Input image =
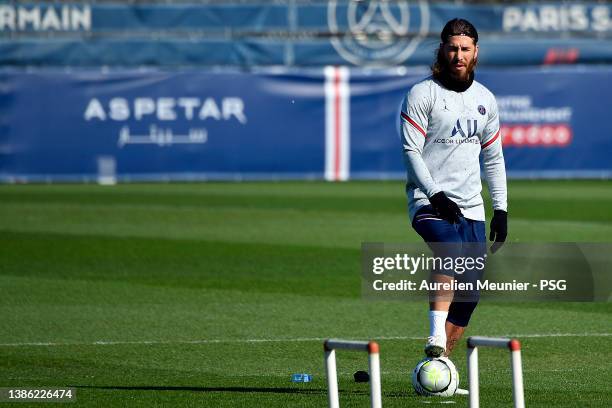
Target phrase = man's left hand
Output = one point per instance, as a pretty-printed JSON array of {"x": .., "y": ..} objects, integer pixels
[{"x": 499, "y": 229}]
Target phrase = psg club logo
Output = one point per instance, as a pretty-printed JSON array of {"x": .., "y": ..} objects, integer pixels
[
  {"x": 377, "y": 32},
  {"x": 481, "y": 110}
]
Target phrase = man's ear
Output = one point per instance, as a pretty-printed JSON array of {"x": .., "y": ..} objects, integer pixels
[{"x": 476, "y": 53}]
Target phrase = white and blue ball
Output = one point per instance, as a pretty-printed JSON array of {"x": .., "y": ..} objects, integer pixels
[{"x": 435, "y": 377}]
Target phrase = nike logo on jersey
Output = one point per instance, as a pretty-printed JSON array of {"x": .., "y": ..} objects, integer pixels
[{"x": 445, "y": 107}]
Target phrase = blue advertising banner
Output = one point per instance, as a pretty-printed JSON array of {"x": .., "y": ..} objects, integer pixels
[
  {"x": 60, "y": 125},
  {"x": 552, "y": 122},
  {"x": 320, "y": 33},
  {"x": 334, "y": 123}
]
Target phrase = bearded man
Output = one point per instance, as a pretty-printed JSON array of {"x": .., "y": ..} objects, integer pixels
[{"x": 449, "y": 121}]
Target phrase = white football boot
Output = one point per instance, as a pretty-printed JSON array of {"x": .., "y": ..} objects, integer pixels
[{"x": 435, "y": 346}]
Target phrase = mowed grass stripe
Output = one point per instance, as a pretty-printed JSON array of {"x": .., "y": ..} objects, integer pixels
[
  {"x": 315, "y": 196},
  {"x": 542, "y": 200},
  {"x": 74, "y": 309},
  {"x": 341, "y": 230},
  {"x": 346, "y": 230},
  {"x": 184, "y": 263}
]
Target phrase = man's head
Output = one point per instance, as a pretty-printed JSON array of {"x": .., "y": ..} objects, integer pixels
[{"x": 458, "y": 53}]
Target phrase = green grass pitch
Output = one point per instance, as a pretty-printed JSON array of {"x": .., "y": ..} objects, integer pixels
[{"x": 213, "y": 294}]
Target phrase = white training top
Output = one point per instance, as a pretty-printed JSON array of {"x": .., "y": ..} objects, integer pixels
[{"x": 443, "y": 133}]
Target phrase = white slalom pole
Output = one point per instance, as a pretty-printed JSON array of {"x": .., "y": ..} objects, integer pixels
[
  {"x": 375, "y": 383},
  {"x": 517, "y": 376},
  {"x": 373, "y": 350},
  {"x": 518, "y": 392},
  {"x": 332, "y": 379},
  {"x": 472, "y": 365}
]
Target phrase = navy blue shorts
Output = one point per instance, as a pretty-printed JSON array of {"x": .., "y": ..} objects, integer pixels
[
  {"x": 467, "y": 239},
  {"x": 434, "y": 229}
]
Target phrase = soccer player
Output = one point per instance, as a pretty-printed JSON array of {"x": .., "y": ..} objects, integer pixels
[{"x": 448, "y": 121}]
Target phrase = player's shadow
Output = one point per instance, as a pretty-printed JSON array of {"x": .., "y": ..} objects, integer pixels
[{"x": 273, "y": 390}]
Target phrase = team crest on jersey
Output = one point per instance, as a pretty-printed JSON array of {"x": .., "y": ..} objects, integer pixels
[{"x": 481, "y": 110}]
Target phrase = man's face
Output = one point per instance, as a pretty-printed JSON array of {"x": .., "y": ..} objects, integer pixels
[{"x": 460, "y": 53}]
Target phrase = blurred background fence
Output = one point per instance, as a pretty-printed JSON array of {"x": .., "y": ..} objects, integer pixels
[{"x": 196, "y": 90}]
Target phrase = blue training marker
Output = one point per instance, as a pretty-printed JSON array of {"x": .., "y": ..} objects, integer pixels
[{"x": 301, "y": 378}]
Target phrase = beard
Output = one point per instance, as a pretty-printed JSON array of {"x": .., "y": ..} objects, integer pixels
[{"x": 469, "y": 69}]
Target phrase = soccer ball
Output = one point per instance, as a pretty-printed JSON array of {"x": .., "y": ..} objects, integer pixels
[{"x": 435, "y": 377}]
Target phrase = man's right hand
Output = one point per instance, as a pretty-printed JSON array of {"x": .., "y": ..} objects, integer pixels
[{"x": 446, "y": 208}]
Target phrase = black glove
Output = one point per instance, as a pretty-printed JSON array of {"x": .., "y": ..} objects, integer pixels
[
  {"x": 446, "y": 208},
  {"x": 499, "y": 229}
]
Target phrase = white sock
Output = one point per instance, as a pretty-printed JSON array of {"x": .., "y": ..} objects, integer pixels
[{"x": 437, "y": 323}]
